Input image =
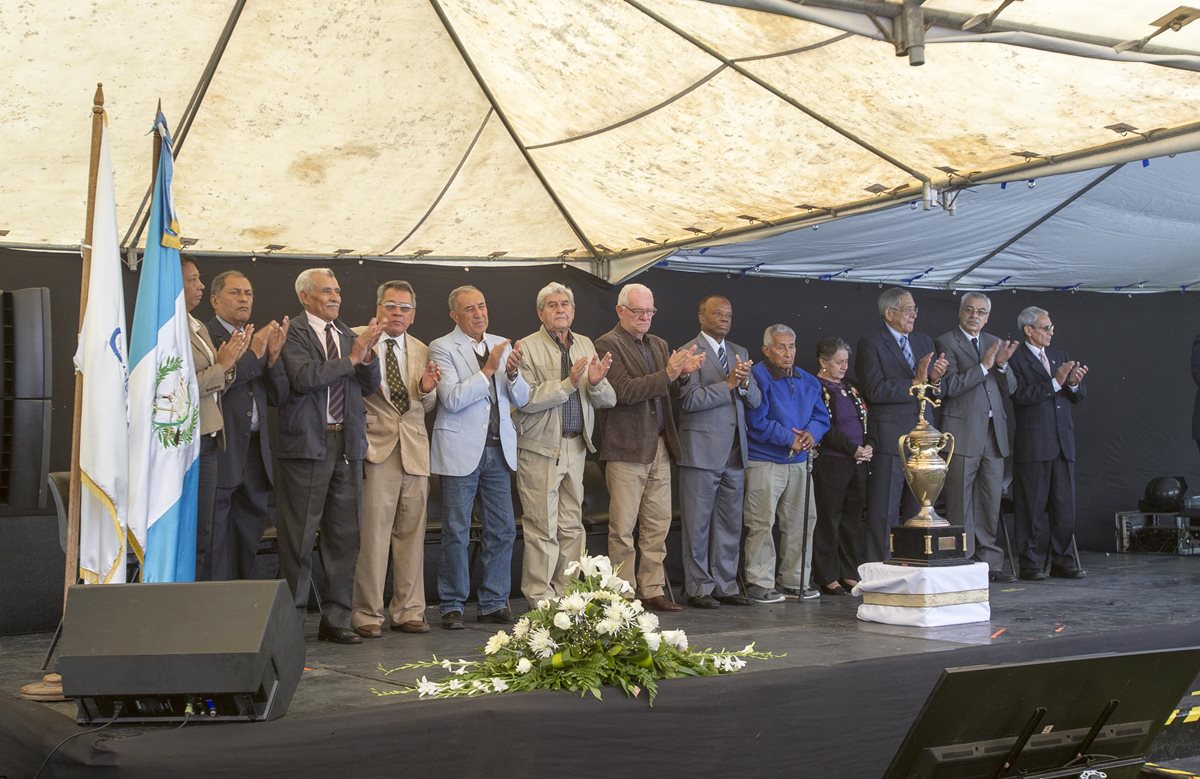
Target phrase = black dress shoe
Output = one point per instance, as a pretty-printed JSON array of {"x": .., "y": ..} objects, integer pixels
[
  {"x": 501, "y": 616},
  {"x": 836, "y": 589},
  {"x": 1060, "y": 572},
  {"x": 1001, "y": 576},
  {"x": 734, "y": 600},
  {"x": 1031, "y": 575},
  {"x": 703, "y": 602},
  {"x": 453, "y": 620},
  {"x": 337, "y": 635}
]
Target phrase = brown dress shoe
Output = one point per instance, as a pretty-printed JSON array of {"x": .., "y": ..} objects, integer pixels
[
  {"x": 369, "y": 631},
  {"x": 412, "y": 626},
  {"x": 660, "y": 603}
]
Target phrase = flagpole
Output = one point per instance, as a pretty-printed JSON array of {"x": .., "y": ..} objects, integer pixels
[{"x": 71, "y": 574}]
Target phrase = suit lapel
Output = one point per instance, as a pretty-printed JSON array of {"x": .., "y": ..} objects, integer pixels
[
  {"x": 710, "y": 357},
  {"x": 893, "y": 347}
]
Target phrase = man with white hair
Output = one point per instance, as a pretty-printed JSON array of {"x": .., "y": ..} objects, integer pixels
[
  {"x": 322, "y": 441},
  {"x": 554, "y": 433},
  {"x": 638, "y": 441}
]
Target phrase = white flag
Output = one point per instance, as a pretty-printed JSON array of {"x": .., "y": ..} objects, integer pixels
[{"x": 101, "y": 358}]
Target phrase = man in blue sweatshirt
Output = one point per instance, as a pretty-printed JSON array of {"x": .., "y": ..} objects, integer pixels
[{"x": 781, "y": 432}]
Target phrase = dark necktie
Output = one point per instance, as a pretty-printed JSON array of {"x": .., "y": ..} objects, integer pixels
[
  {"x": 975, "y": 343},
  {"x": 337, "y": 392},
  {"x": 723, "y": 360},
  {"x": 253, "y": 402},
  {"x": 396, "y": 388},
  {"x": 1045, "y": 362},
  {"x": 908, "y": 355}
]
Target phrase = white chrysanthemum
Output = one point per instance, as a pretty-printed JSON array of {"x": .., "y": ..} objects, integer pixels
[
  {"x": 562, "y": 621},
  {"x": 543, "y": 604},
  {"x": 606, "y": 626},
  {"x": 574, "y": 603},
  {"x": 426, "y": 687},
  {"x": 541, "y": 643},
  {"x": 676, "y": 638},
  {"x": 647, "y": 622},
  {"x": 499, "y": 685},
  {"x": 618, "y": 612},
  {"x": 653, "y": 641},
  {"x": 496, "y": 643},
  {"x": 521, "y": 629},
  {"x": 636, "y": 606},
  {"x": 524, "y": 666}
]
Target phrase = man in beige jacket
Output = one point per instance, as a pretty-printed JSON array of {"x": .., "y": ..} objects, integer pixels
[
  {"x": 396, "y": 473},
  {"x": 554, "y": 433}
]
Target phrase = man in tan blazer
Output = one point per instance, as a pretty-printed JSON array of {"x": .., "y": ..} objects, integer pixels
[
  {"x": 396, "y": 474},
  {"x": 215, "y": 371}
]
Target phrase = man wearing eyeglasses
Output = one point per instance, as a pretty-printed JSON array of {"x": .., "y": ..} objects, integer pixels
[
  {"x": 973, "y": 390},
  {"x": 396, "y": 472},
  {"x": 889, "y": 363},
  {"x": 1048, "y": 384},
  {"x": 638, "y": 441}
]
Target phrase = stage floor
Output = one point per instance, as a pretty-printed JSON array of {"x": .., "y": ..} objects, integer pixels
[{"x": 1122, "y": 595}]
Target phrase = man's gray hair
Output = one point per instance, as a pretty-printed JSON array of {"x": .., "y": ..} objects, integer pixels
[
  {"x": 305, "y": 283},
  {"x": 399, "y": 284},
  {"x": 890, "y": 298},
  {"x": 218, "y": 282},
  {"x": 774, "y": 330},
  {"x": 554, "y": 288},
  {"x": 974, "y": 296},
  {"x": 1029, "y": 317},
  {"x": 623, "y": 295},
  {"x": 454, "y": 293}
]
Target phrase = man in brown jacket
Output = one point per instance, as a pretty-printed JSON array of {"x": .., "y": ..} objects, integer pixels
[
  {"x": 396, "y": 473},
  {"x": 638, "y": 439}
]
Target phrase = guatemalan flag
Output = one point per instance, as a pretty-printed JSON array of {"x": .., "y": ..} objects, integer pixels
[
  {"x": 104, "y": 420},
  {"x": 164, "y": 403}
]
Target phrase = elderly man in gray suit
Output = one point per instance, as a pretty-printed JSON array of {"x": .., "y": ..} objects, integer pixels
[
  {"x": 976, "y": 382},
  {"x": 712, "y": 460}
]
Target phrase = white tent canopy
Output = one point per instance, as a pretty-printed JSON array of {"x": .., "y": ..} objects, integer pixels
[{"x": 603, "y": 132}]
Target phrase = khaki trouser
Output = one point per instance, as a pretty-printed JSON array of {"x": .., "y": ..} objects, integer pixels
[
  {"x": 551, "y": 491},
  {"x": 786, "y": 490},
  {"x": 393, "y": 507},
  {"x": 640, "y": 495}
]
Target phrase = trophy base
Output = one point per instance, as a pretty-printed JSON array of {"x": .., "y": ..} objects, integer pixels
[{"x": 928, "y": 546}]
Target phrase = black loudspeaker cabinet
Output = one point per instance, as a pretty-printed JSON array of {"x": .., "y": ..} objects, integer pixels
[
  {"x": 226, "y": 651},
  {"x": 25, "y": 397}
]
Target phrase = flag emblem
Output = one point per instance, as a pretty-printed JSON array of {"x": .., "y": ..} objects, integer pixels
[{"x": 176, "y": 416}]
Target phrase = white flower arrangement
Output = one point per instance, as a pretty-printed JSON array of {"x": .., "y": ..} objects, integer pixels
[{"x": 594, "y": 635}]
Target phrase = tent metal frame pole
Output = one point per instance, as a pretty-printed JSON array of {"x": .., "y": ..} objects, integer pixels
[
  {"x": 142, "y": 216},
  {"x": 512, "y": 132},
  {"x": 1033, "y": 226}
]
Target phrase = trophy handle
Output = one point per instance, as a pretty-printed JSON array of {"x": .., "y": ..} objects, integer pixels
[
  {"x": 902, "y": 440},
  {"x": 942, "y": 444}
]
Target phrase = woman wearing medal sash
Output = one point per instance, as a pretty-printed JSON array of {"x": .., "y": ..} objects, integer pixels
[{"x": 839, "y": 473}]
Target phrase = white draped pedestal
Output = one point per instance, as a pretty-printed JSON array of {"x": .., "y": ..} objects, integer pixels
[{"x": 923, "y": 597}]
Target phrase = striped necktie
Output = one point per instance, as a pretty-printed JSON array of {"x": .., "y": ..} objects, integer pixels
[
  {"x": 721, "y": 358},
  {"x": 337, "y": 390},
  {"x": 908, "y": 355}
]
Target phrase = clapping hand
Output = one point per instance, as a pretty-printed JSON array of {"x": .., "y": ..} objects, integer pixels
[{"x": 598, "y": 368}]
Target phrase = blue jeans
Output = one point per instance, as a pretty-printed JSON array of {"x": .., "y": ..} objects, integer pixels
[{"x": 491, "y": 480}]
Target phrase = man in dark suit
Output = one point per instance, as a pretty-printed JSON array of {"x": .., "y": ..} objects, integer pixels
[
  {"x": 637, "y": 443},
  {"x": 973, "y": 390},
  {"x": 322, "y": 441},
  {"x": 889, "y": 363},
  {"x": 1196, "y": 378},
  {"x": 712, "y": 459},
  {"x": 244, "y": 471},
  {"x": 1048, "y": 384}
]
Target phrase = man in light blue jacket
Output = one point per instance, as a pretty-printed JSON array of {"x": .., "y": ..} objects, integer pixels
[{"x": 474, "y": 449}]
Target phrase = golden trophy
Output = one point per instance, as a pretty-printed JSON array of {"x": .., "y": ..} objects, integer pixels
[{"x": 926, "y": 538}]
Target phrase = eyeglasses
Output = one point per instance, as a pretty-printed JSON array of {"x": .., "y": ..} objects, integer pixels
[
  {"x": 968, "y": 310},
  {"x": 403, "y": 308},
  {"x": 1044, "y": 328},
  {"x": 641, "y": 312},
  {"x": 905, "y": 309}
]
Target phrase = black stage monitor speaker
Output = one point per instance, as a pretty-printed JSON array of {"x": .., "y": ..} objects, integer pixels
[{"x": 231, "y": 651}]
